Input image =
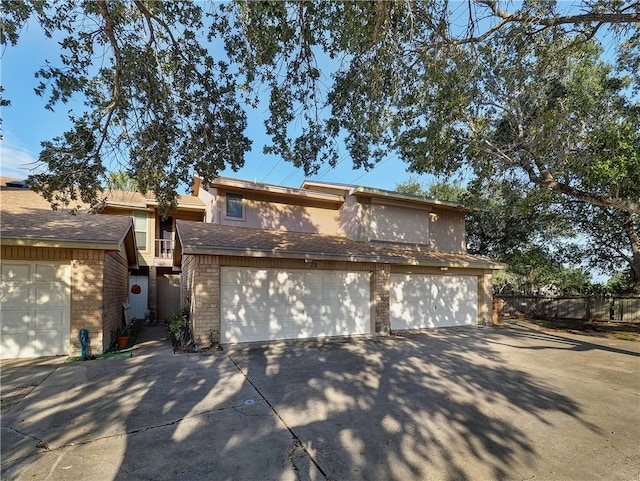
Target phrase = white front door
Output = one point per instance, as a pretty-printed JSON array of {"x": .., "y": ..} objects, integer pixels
[
  {"x": 420, "y": 301},
  {"x": 36, "y": 299},
  {"x": 138, "y": 301},
  {"x": 269, "y": 304}
]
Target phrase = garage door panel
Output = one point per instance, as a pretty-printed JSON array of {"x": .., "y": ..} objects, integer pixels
[
  {"x": 18, "y": 344},
  {"x": 269, "y": 304},
  {"x": 15, "y": 320},
  {"x": 428, "y": 301},
  {"x": 48, "y": 343},
  {"x": 15, "y": 272},
  {"x": 52, "y": 294},
  {"x": 51, "y": 272},
  {"x": 49, "y": 320},
  {"x": 15, "y": 293},
  {"x": 35, "y": 309}
]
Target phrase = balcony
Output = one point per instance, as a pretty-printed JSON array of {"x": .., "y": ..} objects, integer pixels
[{"x": 164, "y": 252}]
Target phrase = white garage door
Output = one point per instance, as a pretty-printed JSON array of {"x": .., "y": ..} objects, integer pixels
[
  {"x": 422, "y": 301},
  {"x": 269, "y": 304},
  {"x": 35, "y": 300}
]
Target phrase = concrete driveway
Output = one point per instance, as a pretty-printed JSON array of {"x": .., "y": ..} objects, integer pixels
[{"x": 509, "y": 403}]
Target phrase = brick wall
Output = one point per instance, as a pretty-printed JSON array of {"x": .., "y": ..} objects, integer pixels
[
  {"x": 87, "y": 298},
  {"x": 115, "y": 292},
  {"x": 205, "y": 301},
  {"x": 99, "y": 286},
  {"x": 380, "y": 287},
  {"x": 200, "y": 289},
  {"x": 485, "y": 298}
]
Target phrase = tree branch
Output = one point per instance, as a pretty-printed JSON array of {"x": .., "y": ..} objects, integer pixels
[
  {"x": 634, "y": 241},
  {"x": 115, "y": 97},
  {"x": 547, "y": 180},
  {"x": 589, "y": 17},
  {"x": 586, "y": 18}
]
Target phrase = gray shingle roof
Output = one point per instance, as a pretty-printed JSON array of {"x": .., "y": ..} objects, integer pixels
[
  {"x": 25, "y": 215},
  {"x": 214, "y": 239}
]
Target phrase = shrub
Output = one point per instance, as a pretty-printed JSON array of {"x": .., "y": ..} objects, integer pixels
[{"x": 175, "y": 323}]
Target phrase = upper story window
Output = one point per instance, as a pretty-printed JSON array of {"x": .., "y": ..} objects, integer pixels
[
  {"x": 140, "y": 227},
  {"x": 234, "y": 206}
]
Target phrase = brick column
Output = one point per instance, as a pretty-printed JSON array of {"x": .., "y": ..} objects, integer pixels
[
  {"x": 381, "y": 312},
  {"x": 205, "y": 301},
  {"x": 87, "y": 300},
  {"x": 152, "y": 302},
  {"x": 485, "y": 298}
]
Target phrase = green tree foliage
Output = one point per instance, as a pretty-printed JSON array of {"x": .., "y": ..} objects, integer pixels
[
  {"x": 619, "y": 283},
  {"x": 504, "y": 92},
  {"x": 498, "y": 90},
  {"x": 521, "y": 98},
  {"x": 160, "y": 103},
  {"x": 612, "y": 236},
  {"x": 506, "y": 216},
  {"x": 518, "y": 227},
  {"x": 122, "y": 181}
]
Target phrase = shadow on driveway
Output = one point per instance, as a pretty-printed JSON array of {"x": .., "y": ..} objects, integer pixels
[
  {"x": 444, "y": 405},
  {"x": 452, "y": 404}
]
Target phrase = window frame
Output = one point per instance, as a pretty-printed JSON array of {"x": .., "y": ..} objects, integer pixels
[
  {"x": 229, "y": 213},
  {"x": 139, "y": 216}
]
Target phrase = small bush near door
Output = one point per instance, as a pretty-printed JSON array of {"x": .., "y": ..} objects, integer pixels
[{"x": 179, "y": 332}]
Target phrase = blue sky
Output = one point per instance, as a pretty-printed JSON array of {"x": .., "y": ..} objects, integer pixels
[{"x": 26, "y": 124}]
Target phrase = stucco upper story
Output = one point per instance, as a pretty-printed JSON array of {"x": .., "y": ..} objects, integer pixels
[{"x": 358, "y": 213}]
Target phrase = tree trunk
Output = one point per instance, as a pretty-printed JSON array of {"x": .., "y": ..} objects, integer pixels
[{"x": 634, "y": 240}]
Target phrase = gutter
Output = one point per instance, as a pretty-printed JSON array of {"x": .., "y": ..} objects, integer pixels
[{"x": 289, "y": 254}]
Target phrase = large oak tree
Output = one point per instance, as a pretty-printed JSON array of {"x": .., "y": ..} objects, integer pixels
[{"x": 538, "y": 92}]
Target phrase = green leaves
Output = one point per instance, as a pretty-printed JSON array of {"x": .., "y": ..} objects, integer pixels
[
  {"x": 157, "y": 101},
  {"x": 74, "y": 170},
  {"x": 524, "y": 93},
  {"x": 615, "y": 159}
]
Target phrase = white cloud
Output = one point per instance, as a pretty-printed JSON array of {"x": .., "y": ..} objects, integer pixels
[{"x": 15, "y": 161}]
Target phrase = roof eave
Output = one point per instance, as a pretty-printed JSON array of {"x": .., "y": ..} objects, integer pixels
[
  {"x": 125, "y": 204},
  {"x": 126, "y": 243},
  {"x": 289, "y": 254},
  {"x": 371, "y": 192},
  {"x": 59, "y": 243},
  {"x": 228, "y": 183}
]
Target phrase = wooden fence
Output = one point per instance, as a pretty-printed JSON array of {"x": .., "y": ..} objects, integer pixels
[{"x": 619, "y": 308}]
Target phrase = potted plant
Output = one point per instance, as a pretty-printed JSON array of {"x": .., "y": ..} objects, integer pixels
[{"x": 122, "y": 334}]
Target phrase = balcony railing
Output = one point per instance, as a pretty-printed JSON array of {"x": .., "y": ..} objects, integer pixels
[{"x": 164, "y": 248}]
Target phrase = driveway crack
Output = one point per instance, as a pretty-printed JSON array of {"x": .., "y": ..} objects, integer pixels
[
  {"x": 297, "y": 442},
  {"x": 44, "y": 447}
]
